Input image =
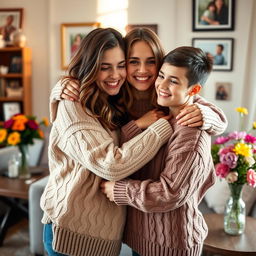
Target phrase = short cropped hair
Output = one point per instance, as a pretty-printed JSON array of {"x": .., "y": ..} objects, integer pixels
[{"x": 195, "y": 60}]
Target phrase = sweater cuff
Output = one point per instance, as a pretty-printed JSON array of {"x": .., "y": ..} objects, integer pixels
[
  {"x": 163, "y": 128},
  {"x": 56, "y": 92},
  {"x": 130, "y": 130},
  {"x": 120, "y": 197},
  {"x": 206, "y": 116}
]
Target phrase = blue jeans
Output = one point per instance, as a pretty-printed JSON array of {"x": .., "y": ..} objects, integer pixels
[
  {"x": 48, "y": 237},
  {"x": 135, "y": 253}
]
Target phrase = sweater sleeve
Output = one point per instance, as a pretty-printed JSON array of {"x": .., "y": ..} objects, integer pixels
[
  {"x": 54, "y": 100},
  {"x": 129, "y": 131},
  {"x": 84, "y": 140},
  {"x": 214, "y": 119},
  {"x": 183, "y": 176}
]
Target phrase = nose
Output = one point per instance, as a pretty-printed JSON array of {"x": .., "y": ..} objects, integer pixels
[
  {"x": 163, "y": 84},
  {"x": 114, "y": 74},
  {"x": 142, "y": 68}
]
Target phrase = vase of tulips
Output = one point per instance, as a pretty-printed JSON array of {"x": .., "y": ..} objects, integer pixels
[{"x": 234, "y": 157}]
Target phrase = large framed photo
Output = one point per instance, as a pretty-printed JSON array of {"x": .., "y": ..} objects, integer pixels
[
  {"x": 71, "y": 37},
  {"x": 219, "y": 49},
  {"x": 10, "y": 21},
  {"x": 213, "y": 15}
]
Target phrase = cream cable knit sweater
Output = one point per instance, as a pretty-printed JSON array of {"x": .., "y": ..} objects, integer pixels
[{"x": 81, "y": 153}]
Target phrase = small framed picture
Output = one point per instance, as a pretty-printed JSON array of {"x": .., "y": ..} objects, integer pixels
[
  {"x": 10, "y": 21},
  {"x": 71, "y": 37},
  {"x": 15, "y": 65},
  {"x": 223, "y": 91},
  {"x": 212, "y": 15},
  {"x": 10, "y": 109},
  {"x": 219, "y": 49},
  {"x": 14, "y": 88},
  {"x": 153, "y": 27}
]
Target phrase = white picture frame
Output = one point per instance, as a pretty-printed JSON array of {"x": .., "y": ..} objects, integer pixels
[{"x": 10, "y": 109}]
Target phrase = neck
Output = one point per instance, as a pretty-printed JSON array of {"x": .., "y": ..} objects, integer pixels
[
  {"x": 140, "y": 95},
  {"x": 176, "y": 110}
]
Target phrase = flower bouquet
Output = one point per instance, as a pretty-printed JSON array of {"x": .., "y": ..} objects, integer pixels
[
  {"x": 20, "y": 130},
  {"x": 234, "y": 158}
]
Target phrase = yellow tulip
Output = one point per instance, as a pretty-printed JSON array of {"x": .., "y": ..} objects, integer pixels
[
  {"x": 254, "y": 125},
  {"x": 3, "y": 134},
  {"x": 242, "y": 149},
  {"x": 242, "y": 110},
  {"x": 13, "y": 138}
]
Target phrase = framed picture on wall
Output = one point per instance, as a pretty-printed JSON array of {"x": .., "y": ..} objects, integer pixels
[
  {"x": 71, "y": 37},
  {"x": 10, "y": 21},
  {"x": 153, "y": 27},
  {"x": 213, "y": 15},
  {"x": 219, "y": 49},
  {"x": 223, "y": 91}
]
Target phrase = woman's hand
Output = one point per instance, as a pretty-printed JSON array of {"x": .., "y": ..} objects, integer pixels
[
  {"x": 149, "y": 118},
  {"x": 70, "y": 90},
  {"x": 107, "y": 187},
  {"x": 190, "y": 116}
]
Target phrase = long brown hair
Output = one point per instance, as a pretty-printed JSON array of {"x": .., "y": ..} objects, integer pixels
[
  {"x": 84, "y": 67},
  {"x": 149, "y": 36}
]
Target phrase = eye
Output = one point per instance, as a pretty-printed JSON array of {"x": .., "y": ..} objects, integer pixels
[
  {"x": 133, "y": 62},
  {"x": 121, "y": 66},
  {"x": 172, "y": 81},
  {"x": 160, "y": 76},
  {"x": 104, "y": 68},
  {"x": 151, "y": 62}
]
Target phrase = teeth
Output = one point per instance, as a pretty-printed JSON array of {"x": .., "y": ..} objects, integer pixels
[
  {"x": 112, "y": 83},
  {"x": 161, "y": 93},
  {"x": 142, "y": 78}
]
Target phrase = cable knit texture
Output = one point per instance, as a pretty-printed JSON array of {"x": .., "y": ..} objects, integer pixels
[
  {"x": 81, "y": 154},
  {"x": 169, "y": 188}
]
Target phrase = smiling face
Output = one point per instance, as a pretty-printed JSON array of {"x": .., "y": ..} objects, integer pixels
[
  {"x": 141, "y": 66},
  {"x": 112, "y": 72},
  {"x": 172, "y": 87}
]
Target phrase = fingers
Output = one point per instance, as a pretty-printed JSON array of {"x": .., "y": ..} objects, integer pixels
[
  {"x": 69, "y": 95},
  {"x": 196, "y": 124},
  {"x": 187, "y": 110}
]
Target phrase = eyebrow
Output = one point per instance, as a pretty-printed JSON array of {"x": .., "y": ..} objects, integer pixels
[
  {"x": 136, "y": 58},
  {"x": 109, "y": 64},
  {"x": 162, "y": 73}
]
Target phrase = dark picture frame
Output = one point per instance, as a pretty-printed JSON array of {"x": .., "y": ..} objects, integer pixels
[
  {"x": 70, "y": 32},
  {"x": 220, "y": 49},
  {"x": 13, "y": 16},
  {"x": 153, "y": 27},
  {"x": 206, "y": 17},
  {"x": 223, "y": 91}
]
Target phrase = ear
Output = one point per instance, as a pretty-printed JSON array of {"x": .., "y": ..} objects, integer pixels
[{"x": 194, "y": 89}]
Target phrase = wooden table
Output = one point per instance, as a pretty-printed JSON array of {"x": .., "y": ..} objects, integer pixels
[
  {"x": 221, "y": 243},
  {"x": 14, "y": 193}
]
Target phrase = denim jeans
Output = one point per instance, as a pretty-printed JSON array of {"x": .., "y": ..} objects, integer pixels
[
  {"x": 135, "y": 253},
  {"x": 48, "y": 237}
]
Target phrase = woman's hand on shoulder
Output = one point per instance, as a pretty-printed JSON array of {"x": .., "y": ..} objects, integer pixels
[
  {"x": 70, "y": 90},
  {"x": 190, "y": 116},
  {"x": 149, "y": 118}
]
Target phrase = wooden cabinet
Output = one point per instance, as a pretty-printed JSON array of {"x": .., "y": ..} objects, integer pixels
[{"x": 15, "y": 83}]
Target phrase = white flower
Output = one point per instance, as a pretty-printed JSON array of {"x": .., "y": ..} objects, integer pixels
[
  {"x": 250, "y": 160},
  {"x": 232, "y": 177}
]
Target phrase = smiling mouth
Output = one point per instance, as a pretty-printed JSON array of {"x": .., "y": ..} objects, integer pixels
[
  {"x": 112, "y": 84},
  {"x": 142, "y": 78},
  {"x": 164, "y": 94}
]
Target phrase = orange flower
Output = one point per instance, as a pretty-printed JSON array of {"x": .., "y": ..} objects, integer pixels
[
  {"x": 19, "y": 125},
  {"x": 20, "y": 117},
  {"x": 13, "y": 138},
  {"x": 45, "y": 121},
  {"x": 41, "y": 133},
  {"x": 3, "y": 134}
]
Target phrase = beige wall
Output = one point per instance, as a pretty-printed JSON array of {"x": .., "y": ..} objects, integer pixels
[{"x": 42, "y": 19}]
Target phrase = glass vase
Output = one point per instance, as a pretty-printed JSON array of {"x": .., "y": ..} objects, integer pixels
[
  {"x": 24, "y": 172},
  {"x": 234, "y": 215}
]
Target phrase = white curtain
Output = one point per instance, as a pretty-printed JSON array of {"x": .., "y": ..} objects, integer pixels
[{"x": 249, "y": 94}]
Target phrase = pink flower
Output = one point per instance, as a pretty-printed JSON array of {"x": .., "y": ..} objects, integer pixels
[
  {"x": 237, "y": 135},
  {"x": 221, "y": 140},
  {"x": 32, "y": 124},
  {"x": 8, "y": 124},
  {"x": 221, "y": 170},
  {"x": 226, "y": 150},
  {"x": 254, "y": 150},
  {"x": 229, "y": 159},
  {"x": 251, "y": 177},
  {"x": 250, "y": 139}
]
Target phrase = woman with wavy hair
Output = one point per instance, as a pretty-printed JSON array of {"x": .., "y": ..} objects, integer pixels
[{"x": 78, "y": 219}]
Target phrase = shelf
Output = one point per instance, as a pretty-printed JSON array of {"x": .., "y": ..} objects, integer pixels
[
  {"x": 11, "y": 75},
  {"x": 10, "y": 49},
  {"x": 7, "y": 99}
]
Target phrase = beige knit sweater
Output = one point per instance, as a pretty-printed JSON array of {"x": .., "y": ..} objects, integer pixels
[{"x": 81, "y": 154}]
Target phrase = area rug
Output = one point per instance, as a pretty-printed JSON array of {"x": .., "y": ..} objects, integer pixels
[{"x": 16, "y": 244}]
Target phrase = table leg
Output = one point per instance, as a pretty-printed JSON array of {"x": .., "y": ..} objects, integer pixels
[{"x": 4, "y": 225}]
